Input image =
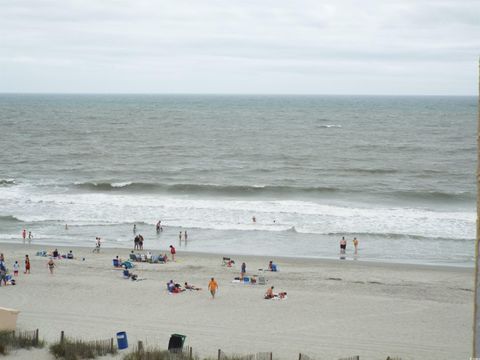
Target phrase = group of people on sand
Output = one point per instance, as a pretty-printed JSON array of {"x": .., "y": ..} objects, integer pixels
[
  {"x": 51, "y": 265},
  {"x": 16, "y": 267},
  {"x": 343, "y": 245},
  {"x": 174, "y": 288},
  {"x": 271, "y": 295}
]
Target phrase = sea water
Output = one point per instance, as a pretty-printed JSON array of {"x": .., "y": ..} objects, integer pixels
[{"x": 398, "y": 173}]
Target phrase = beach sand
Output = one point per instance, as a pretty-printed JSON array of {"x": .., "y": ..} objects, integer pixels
[{"x": 335, "y": 308}]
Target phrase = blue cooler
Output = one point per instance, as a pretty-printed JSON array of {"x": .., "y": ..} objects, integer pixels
[{"x": 122, "y": 340}]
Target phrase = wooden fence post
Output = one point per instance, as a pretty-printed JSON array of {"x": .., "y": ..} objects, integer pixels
[
  {"x": 299, "y": 356},
  {"x": 191, "y": 353},
  {"x": 111, "y": 345},
  {"x": 140, "y": 346},
  {"x": 62, "y": 337},
  {"x": 36, "y": 337},
  {"x": 271, "y": 356},
  {"x": 219, "y": 352}
]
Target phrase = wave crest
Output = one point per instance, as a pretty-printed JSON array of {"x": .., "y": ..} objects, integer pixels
[
  {"x": 212, "y": 189},
  {"x": 7, "y": 182},
  {"x": 10, "y": 219}
]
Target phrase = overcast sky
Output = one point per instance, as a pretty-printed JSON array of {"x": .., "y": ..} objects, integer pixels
[{"x": 242, "y": 46}]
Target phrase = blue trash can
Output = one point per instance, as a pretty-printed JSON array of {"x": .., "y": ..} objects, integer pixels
[{"x": 122, "y": 340}]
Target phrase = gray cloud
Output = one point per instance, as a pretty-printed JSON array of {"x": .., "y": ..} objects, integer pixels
[{"x": 369, "y": 47}]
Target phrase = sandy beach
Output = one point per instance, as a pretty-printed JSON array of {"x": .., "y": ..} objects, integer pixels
[{"x": 334, "y": 308}]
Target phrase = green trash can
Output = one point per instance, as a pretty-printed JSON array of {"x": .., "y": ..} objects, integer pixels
[{"x": 176, "y": 342}]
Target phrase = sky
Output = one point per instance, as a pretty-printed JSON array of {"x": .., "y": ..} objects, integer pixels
[{"x": 397, "y": 47}]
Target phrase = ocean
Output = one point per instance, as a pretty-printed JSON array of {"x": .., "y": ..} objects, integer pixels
[{"x": 398, "y": 173}]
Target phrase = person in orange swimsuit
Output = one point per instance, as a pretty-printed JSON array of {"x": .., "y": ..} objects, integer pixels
[{"x": 213, "y": 286}]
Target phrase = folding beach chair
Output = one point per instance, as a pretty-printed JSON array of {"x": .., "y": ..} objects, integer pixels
[{"x": 261, "y": 280}]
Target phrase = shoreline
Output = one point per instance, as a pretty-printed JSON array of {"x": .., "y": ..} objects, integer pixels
[{"x": 348, "y": 258}]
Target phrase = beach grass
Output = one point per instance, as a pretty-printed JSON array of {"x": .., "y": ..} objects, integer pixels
[
  {"x": 19, "y": 340},
  {"x": 74, "y": 349},
  {"x": 154, "y": 353}
]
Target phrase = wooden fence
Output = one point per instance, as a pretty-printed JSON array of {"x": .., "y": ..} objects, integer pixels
[
  {"x": 258, "y": 356},
  {"x": 67, "y": 346}
]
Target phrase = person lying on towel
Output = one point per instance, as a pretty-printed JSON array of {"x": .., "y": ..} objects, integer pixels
[{"x": 191, "y": 287}]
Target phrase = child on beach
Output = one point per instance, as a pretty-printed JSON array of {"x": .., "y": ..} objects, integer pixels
[
  {"x": 15, "y": 268},
  {"x": 27, "y": 265},
  {"x": 30, "y": 237},
  {"x": 243, "y": 270},
  {"x": 213, "y": 286},
  {"x": 51, "y": 265}
]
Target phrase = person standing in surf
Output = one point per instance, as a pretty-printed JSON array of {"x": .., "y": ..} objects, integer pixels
[
  {"x": 343, "y": 245},
  {"x": 355, "y": 244},
  {"x": 185, "y": 236},
  {"x": 30, "y": 237},
  {"x": 24, "y": 235}
]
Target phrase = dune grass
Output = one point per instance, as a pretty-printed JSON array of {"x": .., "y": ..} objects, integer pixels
[
  {"x": 10, "y": 340},
  {"x": 75, "y": 349}
]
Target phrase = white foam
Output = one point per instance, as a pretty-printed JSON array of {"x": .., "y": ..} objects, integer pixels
[{"x": 29, "y": 204}]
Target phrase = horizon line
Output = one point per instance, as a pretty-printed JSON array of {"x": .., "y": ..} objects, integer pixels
[{"x": 231, "y": 94}]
